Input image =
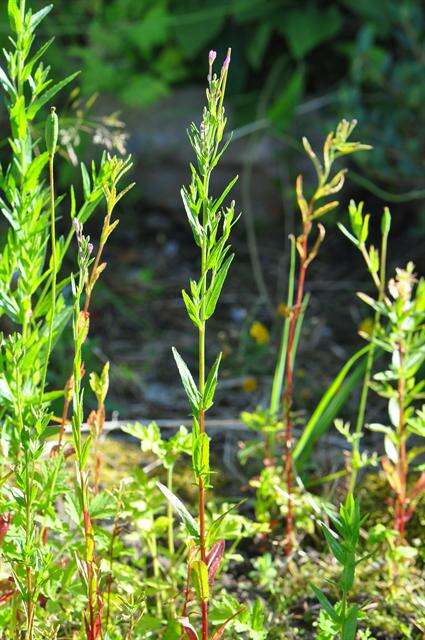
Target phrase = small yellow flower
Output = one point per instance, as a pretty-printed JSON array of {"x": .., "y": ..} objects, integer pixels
[
  {"x": 282, "y": 310},
  {"x": 366, "y": 327},
  {"x": 259, "y": 333},
  {"x": 249, "y": 384}
]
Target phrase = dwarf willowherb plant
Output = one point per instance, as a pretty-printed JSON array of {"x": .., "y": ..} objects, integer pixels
[
  {"x": 81, "y": 287},
  {"x": 340, "y": 620},
  {"x": 403, "y": 337},
  {"x": 211, "y": 225},
  {"x": 35, "y": 310},
  {"x": 337, "y": 144},
  {"x": 376, "y": 263}
]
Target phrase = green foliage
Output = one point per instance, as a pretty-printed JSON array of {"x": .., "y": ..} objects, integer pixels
[
  {"x": 84, "y": 558},
  {"x": 340, "y": 620},
  {"x": 403, "y": 337}
]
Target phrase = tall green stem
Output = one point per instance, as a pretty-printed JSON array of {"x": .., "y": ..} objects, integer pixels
[
  {"x": 355, "y": 463},
  {"x": 201, "y": 384},
  {"x": 170, "y": 512},
  {"x": 53, "y": 263},
  {"x": 279, "y": 373},
  {"x": 402, "y": 463}
]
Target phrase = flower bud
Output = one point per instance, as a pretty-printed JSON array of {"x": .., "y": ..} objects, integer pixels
[
  {"x": 226, "y": 62},
  {"x": 52, "y": 132},
  {"x": 77, "y": 226}
]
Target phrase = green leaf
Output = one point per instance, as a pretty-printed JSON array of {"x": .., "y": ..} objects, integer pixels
[
  {"x": 211, "y": 384},
  {"x": 334, "y": 545},
  {"x": 201, "y": 455},
  {"x": 216, "y": 286},
  {"x": 188, "y": 382},
  {"x": 214, "y": 531},
  {"x": 325, "y": 603},
  {"x": 102, "y": 505},
  {"x": 14, "y": 15},
  {"x": 194, "y": 30},
  {"x": 308, "y": 27},
  {"x": 192, "y": 310},
  {"x": 217, "y": 203},
  {"x": 37, "y": 17},
  {"x": 282, "y": 111},
  {"x": 35, "y": 107},
  {"x": 200, "y": 580},
  {"x": 258, "y": 44},
  {"x": 5, "y": 391},
  {"x": 188, "y": 521},
  {"x": 347, "y": 234},
  {"x": 330, "y": 404},
  {"x": 86, "y": 180},
  {"x": 6, "y": 83},
  {"x": 85, "y": 451}
]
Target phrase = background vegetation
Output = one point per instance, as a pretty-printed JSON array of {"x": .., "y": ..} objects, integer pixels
[{"x": 359, "y": 59}]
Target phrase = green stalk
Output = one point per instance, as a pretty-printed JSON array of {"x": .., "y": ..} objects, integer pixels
[
  {"x": 54, "y": 272},
  {"x": 153, "y": 548},
  {"x": 299, "y": 326},
  {"x": 201, "y": 415},
  {"x": 170, "y": 512},
  {"x": 355, "y": 463},
  {"x": 279, "y": 373},
  {"x": 170, "y": 532}
]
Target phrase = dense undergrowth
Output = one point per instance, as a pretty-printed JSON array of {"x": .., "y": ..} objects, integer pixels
[{"x": 156, "y": 552}]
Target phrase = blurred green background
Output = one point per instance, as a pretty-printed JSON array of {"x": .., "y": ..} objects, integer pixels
[{"x": 360, "y": 58}]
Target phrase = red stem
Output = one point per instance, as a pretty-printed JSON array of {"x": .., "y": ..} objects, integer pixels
[
  {"x": 289, "y": 389},
  {"x": 202, "y": 535}
]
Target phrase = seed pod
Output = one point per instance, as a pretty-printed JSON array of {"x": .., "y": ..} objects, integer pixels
[
  {"x": 52, "y": 132},
  {"x": 386, "y": 222}
]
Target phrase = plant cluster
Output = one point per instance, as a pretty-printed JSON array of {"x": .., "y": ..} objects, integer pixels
[{"x": 159, "y": 554}]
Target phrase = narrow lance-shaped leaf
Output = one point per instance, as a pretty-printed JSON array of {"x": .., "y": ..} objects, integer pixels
[
  {"x": 37, "y": 17},
  {"x": 201, "y": 455},
  {"x": 314, "y": 427},
  {"x": 188, "y": 521},
  {"x": 211, "y": 384},
  {"x": 220, "y": 200},
  {"x": 191, "y": 308},
  {"x": 48, "y": 95},
  {"x": 214, "y": 559},
  {"x": 325, "y": 603},
  {"x": 200, "y": 580},
  {"x": 188, "y": 628},
  {"x": 219, "y": 632},
  {"x": 188, "y": 381},
  {"x": 216, "y": 287}
]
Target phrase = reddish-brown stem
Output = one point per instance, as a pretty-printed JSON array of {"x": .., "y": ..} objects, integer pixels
[
  {"x": 288, "y": 394},
  {"x": 204, "y": 615},
  {"x": 202, "y": 535}
]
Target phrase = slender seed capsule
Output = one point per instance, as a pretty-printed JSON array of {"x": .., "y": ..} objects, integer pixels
[
  {"x": 52, "y": 132},
  {"x": 386, "y": 221}
]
